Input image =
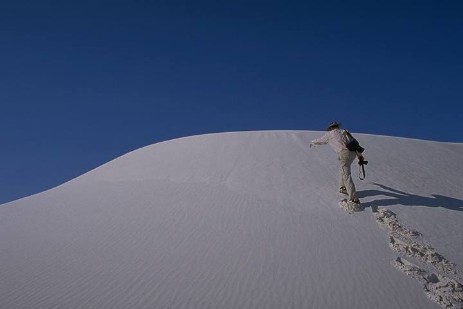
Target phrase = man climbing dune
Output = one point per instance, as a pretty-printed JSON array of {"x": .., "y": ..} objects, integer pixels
[{"x": 338, "y": 139}]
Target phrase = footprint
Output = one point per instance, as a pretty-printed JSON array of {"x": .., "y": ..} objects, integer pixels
[
  {"x": 389, "y": 219},
  {"x": 423, "y": 253},
  {"x": 350, "y": 207},
  {"x": 403, "y": 241},
  {"x": 410, "y": 269},
  {"x": 445, "y": 291}
]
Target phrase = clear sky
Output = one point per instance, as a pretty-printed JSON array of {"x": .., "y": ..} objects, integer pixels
[{"x": 83, "y": 82}]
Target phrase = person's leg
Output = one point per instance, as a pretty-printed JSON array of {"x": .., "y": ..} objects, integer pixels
[
  {"x": 341, "y": 158},
  {"x": 346, "y": 158},
  {"x": 341, "y": 179}
]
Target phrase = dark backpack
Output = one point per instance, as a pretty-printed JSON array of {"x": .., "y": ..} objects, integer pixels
[{"x": 352, "y": 144}]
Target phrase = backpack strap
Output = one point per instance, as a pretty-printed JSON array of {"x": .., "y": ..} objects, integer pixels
[{"x": 350, "y": 135}]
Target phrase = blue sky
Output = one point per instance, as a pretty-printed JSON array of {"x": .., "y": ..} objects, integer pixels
[{"x": 83, "y": 82}]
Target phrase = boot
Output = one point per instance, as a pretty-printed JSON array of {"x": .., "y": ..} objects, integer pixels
[{"x": 355, "y": 200}]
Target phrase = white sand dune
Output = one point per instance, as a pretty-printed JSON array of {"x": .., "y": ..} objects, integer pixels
[{"x": 241, "y": 220}]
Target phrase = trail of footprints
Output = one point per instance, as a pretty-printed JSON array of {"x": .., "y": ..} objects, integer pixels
[{"x": 440, "y": 286}]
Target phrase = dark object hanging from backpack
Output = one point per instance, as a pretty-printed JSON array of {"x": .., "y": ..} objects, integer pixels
[{"x": 362, "y": 164}]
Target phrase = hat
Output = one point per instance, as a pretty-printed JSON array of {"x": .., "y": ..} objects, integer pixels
[{"x": 333, "y": 125}]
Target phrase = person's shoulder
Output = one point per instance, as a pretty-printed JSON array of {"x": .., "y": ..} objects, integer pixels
[
  {"x": 337, "y": 131},
  {"x": 338, "y": 134}
]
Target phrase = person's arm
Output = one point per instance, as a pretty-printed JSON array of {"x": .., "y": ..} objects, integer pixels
[{"x": 320, "y": 141}]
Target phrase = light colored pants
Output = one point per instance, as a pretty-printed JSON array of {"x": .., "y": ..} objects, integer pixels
[{"x": 346, "y": 158}]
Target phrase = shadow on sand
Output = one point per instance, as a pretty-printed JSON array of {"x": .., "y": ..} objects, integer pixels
[{"x": 395, "y": 197}]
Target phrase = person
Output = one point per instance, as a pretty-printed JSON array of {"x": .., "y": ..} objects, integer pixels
[{"x": 337, "y": 139}]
